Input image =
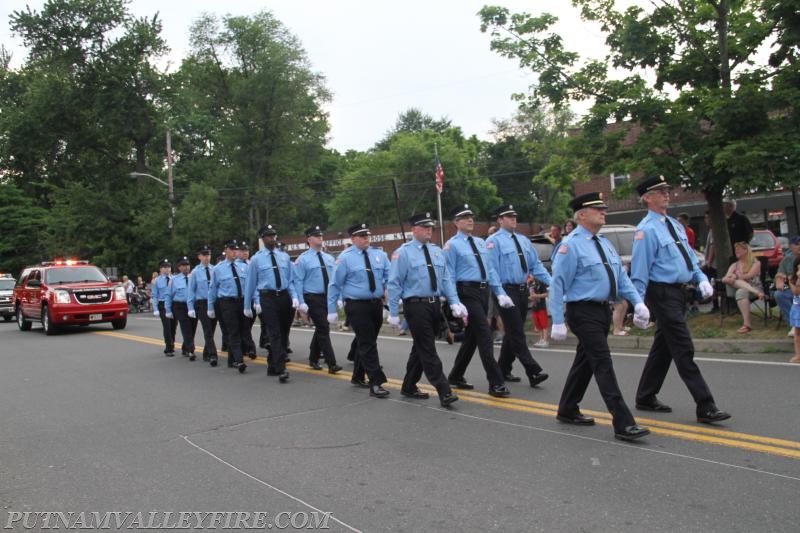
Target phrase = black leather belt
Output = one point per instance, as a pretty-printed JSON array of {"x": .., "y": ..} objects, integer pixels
[
  {"x": 273, "y": 292},
  {"x": 596, "y": 303},
  {"x": 229, "y": 299},
  {"x": 515, "y": 287},
  {"x": 201, "y": 300},
  {"x": 365, "y": 301},
  {"x": 475, "y": 284},
  {"x": 417, "y": 300},
  {"x": 681, "y": 286}
]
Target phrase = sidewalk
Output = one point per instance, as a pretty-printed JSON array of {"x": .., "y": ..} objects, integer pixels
[{"x": 729, "y": 346}]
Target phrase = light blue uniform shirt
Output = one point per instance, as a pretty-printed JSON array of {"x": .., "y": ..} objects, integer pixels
[
  {"x": 579, "y": 274},
  {"x": 505, "y": 259},
  {"x": 308, "y": 273},
  {"x": 409, "y": 276},
  {"x": 261, "y": 275},
  {"x": 223, "y": 284},
  {"x": 656, "y": 256},
  {"x": 199, "y": 283},
  {"x": 463, "y": 264},
  {"x": 178, "y": 291},
  {"x": 160, "y": 290},
  {"x": 350, "y": 280}
]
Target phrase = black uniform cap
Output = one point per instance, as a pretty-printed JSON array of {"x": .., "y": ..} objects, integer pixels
[
  {"x": 232, "y": 244},
  {"x": 164, "y": 263},
  {"x": 204, "y": 250},
  {"x": 269, "y": 229},
  {"x": 591, "y": 199},
  {"x": 314, "y": 231},
  {"x": 422, "y": 219},
  {"x": 183, "y": 261},
  {"x": 362, "y": 228},
  {"x": 462, "y": 210},
  {"x": 652, "y": 183},
  {"x": 505, "y": 210},
  {"x": 244, "y": 246}
]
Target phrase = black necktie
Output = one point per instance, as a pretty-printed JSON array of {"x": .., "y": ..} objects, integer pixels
[
  {"x": 208, "y": 276},
  {"x": 370, "y": 275},
  {"x": 237, "y": 280},
  {"x": 276, "y": 270},
  {"x": 431, "y": 271},
  {"x": 611, "y": 279},
  {"x": 522, "y": 262},
  {"x": 186, "y": 280},
  {"x": 477, "y": 257},
  {"x": 679, "y": 244},
  {"x": 324, "y": 272}
]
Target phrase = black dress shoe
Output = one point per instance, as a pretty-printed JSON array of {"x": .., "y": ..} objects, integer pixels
[
  {"x": 654, "y": 405},
  {"x": 499, "y": 391},
  {"x": 206, "y": 358},
  {"x": 538, "y": 378},
  {"x": 169, "y": 354},
  {"x": 632, "y": 433},
  {"x": 712, "y": 415},
  {"x": 415, "y": 394},
  {"x": 192, "y": 357},
  {"x": 578, "y": 419},
  {"x": 334, "y": 369},
  {"x": 252, "y": 355},
  {"x": 461, "y": 383},
  {"x": 185, "y": 354},
  {"x": 314, "y": 365},
  {"x": 359, "y": 383},
  {"x": 448, "y": 399},
  {"x": 378, "y": 392},
  {"x": 272, "y": 372},
  {"x": 283, "y": 377},
  {"x": 511, "y": 378},
  {"x": 241, "y": 367},
  {"x": 213, "y": 361}
]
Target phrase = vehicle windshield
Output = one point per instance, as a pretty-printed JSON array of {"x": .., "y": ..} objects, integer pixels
[
  {"x": 762, "y": 240},
  {"x": 75, "y": 275},
  {"x": 6, "y": 284}
]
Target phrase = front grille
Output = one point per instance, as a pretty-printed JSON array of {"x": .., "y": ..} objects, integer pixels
[{"x": 93, "y": 296}]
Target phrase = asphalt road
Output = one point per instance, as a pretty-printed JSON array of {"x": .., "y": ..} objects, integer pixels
[{"x": 100, "y": 421}]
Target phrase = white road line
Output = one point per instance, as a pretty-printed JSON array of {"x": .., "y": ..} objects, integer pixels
[
  {"x": 637, "y": 447},
  {"x": 262, "y": 482}
]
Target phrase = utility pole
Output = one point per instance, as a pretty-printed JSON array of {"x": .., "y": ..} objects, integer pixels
[{"x": 170, "y": 187}]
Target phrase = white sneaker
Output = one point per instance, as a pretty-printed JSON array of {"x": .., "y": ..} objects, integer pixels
[
  {"x": 541, "y": 343},
  {"x": 791, "y": 332}
]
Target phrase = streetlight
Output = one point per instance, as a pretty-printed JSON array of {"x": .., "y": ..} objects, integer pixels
[{"x": 171, "y": 192}]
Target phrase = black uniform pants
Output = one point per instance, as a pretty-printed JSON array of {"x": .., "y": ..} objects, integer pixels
[
  {"x": 188, "y": 326},
  {"x": 366, "y": 318},
  {"x": 168, "y": 328},
  {"x": 515, "y": 345},
  {"x": 321, "y": 341},
  {"x": 248, "y": 344},
  {"x": 478, "y": 335},
  {"x": 275, "y": 307},
  {"x": 423, "y": 322},
  {"x": 231, "y": 313},
  {"x": 589, "y": 321},
  {"x": 209, "y": 325},
  {"x": 672, "y": 342}
]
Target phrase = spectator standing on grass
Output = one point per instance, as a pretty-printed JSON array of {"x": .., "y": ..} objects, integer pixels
[{"x": 794, "y": 316}]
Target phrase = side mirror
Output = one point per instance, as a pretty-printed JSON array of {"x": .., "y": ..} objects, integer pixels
[{"x": 34, "y": 283}]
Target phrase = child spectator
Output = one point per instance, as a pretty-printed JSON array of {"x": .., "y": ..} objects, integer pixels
[
  {"x": 794, "y": 315},
  {"x": 538, "y": 297}
]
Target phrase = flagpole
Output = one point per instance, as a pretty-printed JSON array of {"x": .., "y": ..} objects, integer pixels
[{"x": 439, "y": 197}]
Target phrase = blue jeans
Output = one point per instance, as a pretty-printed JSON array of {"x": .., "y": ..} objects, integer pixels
[{"x": 784, "y": 299}]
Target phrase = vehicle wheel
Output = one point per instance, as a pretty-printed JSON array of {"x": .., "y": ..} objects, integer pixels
[
  {"x": 22, "y": 322},
  {"x": 119, "y": 324},
  {"x": 47, "y": 322},
  {"x": 8, "y": 318}
]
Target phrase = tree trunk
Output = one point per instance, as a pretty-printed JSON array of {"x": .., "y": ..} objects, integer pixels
[{"x": 719, "y": 228}]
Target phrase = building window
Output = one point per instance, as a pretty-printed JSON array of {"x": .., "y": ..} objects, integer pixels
[{"x": 617, "y": 180}]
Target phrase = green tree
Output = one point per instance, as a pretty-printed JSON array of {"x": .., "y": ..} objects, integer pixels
[
  {"x": 21, "y": 227},
  {"x": 715, "y": 113}
]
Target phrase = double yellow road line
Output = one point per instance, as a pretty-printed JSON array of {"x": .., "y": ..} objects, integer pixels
[{"x": 708, "y": 435}]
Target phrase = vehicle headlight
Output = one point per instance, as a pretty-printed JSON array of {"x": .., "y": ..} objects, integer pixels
[
  {"x": 119, "y": 293},
  {"x": 62, "y": 297}
]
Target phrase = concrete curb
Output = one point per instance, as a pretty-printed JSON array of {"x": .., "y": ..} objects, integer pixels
[{"x": 730, "y": 346}]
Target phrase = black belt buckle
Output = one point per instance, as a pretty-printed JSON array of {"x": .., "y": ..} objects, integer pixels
[
  {"x": 482, "y": 285},
  {"x": 433, "y": 299}
]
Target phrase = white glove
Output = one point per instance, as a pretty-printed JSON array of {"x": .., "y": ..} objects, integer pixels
[
  {"x": 257, "y": 308},
  {"x": 505, "y": 301},
  {"x": 248, "y": 313},
  {"x": 385, "y": 314},
  {"x": 458, "y": 310},
  {"x": 169, "y": 315},
  {"x": 211, "y": 314},
  {"x": 156, "y": 313},
  {"x": 394, "y": 321},
  {"x": 333, "y": 318},
  {"x": 641, "y": 316},
  {"x": 558, "y": 332},
  {"x": 303, "y": 308},
  {"x": 192, "y": 314},
  {"x": 339, "y": 304},
  {"x": 295, "y": 303},
  {"x": 706, "y": 290}
]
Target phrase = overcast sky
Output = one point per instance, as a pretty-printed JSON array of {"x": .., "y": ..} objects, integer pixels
[{"x": 381, "y": 58}]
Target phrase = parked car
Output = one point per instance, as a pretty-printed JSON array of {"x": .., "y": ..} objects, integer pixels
[
  {"x": 68, "y": 292},
  {"x": 765, "y": 244},
  {"x": 6, "y": 297}
]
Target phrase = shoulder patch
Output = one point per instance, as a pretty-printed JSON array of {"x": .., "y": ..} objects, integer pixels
[
  {"x": 490, "y": 245},
  {"x": 563, "y": 249},
  {"x": 337, "y": 262},
  {"x": 446, "y": 246},
  {"x": 395, "y": 255},
  {"x": 639, "y": 235}
]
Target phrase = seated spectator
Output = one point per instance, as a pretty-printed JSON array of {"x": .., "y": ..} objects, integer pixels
[
  {"x": 744, "y": 282},
  {"x": 783, "y": 291}
]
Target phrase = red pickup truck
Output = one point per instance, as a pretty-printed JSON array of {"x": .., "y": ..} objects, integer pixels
[{"x": 59, "y": 293}]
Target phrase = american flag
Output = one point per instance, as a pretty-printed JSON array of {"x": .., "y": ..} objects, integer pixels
[{"x": 439, "y": 176}]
